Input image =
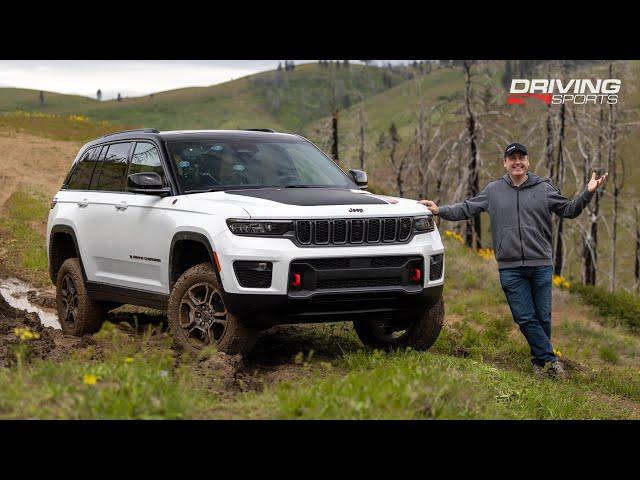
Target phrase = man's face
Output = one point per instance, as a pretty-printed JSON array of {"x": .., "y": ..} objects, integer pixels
[{"x": 516, "y": 163}]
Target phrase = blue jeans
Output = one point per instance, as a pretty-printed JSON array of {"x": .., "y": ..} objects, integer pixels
[{"x": 528, "y": 291}]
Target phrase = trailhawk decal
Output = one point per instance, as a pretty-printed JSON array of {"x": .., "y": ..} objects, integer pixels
[{"x": 150, "y": 259}]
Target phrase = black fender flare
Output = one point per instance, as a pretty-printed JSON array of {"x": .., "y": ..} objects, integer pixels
[
  {"x": 196, "y": 237},
  {"x": 66, "y": 229}
]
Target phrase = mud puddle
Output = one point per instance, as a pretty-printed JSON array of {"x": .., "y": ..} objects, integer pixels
[{"x": 22, "y": 296}]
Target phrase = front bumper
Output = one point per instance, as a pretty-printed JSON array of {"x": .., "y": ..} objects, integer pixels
[{"x": 281, "y": 252}]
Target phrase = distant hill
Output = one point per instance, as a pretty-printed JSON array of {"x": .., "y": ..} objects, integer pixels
[{"x": 279, "y": 99}]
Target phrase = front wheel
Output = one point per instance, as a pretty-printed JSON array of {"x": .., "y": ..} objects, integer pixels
[
  {"x": 418, "y": 330},
  {"x": 198, "y": 316}
]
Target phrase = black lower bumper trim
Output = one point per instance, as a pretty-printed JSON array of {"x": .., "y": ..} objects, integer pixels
[{"x": 329, "y": 307}]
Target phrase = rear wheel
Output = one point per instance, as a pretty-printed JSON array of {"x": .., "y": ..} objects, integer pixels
[
  {"x": 418, "y": 330},
  {"x": 77, "y": 313},
  {"x": 198, "y": 316}
]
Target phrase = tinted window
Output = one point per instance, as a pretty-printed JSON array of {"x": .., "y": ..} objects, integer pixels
[
  {"x": 81, "y": 175},
  {"x": 100, "y": 153},
  {"x": 113, "y": 168},
  {"x": 146, "y": 158}
]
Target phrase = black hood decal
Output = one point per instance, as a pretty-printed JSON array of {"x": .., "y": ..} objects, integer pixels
[{"x": 308, "y": 197}]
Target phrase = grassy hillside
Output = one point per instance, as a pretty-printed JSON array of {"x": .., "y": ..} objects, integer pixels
[
  {"x": 283, "y": 100},
  {"x": 478, "y": 368}
]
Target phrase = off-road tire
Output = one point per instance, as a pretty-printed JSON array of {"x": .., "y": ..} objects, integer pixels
[
  {"x": 425, "y": 326},
  {"x": 237, "y": 336},
  {"x": 87, "y": 315}
]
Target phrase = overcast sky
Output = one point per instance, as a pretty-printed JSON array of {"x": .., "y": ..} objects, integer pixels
[{"x": 127, "y": 77}]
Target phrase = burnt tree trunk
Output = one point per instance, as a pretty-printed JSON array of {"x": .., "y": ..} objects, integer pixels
[
  {"x": 334, "y": 136},
  {"x": 611, "y": 160},
  {"x": 473, "y": 231},
  {"x": 558, "y": 243},
  {"x": 362, "y": 151},
  {"x": 548, "y": 149}
]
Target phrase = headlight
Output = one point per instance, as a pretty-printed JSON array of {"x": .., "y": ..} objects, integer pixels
[
  {"x": 259, "y": 227},
  {"x": 423, "y": 224}
]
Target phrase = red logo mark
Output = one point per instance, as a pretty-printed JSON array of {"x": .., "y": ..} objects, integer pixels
[{"x": 518, "y": 98}]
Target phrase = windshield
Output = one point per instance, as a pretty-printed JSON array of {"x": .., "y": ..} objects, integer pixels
[{"x": 228, "y": 164}]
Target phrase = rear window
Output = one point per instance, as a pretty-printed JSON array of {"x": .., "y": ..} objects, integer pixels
[
  {"x": 110, "y": 174},
  {"x": 81, "y": 175}
]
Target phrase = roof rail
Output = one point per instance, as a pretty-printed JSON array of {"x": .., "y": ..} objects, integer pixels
[
  {"x": 268, "y": 130},
  {"x": 144, "y": 130}
]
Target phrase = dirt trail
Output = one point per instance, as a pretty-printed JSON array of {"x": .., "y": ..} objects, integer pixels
[{"x": 35, "y": 162}]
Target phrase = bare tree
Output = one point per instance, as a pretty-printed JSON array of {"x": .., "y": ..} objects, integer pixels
[
  {"x": 612, "y": 163},
  {"x": 362, "y": 144},
  {"x": 559, "y": 171},
  {"x": 473, "y": 231},
  {"x": 390, "y": 141}
]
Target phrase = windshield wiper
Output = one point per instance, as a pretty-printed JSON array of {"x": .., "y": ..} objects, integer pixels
[
  {"x": 304, "y": 186},
  {"x": 204, "y": 190}
]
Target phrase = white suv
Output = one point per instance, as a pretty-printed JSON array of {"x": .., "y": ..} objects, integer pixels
[{"x": 232, "y": 232}]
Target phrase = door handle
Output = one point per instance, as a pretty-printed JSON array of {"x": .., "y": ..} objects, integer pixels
[
  {"x": 122, "y": 206},
  {"x": 83, "y": 203}
]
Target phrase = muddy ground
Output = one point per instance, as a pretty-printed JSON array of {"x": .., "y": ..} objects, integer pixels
[{"x": 276, "y": 356}]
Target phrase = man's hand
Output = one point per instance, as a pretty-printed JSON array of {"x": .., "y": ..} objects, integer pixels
[
  {"x": 596, "y": 183},
  {"x": 433, "y": 208}
]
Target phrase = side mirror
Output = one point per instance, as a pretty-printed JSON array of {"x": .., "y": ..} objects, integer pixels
[
  {"x": 360, "y": 178},
  {"x": 149, "y": 183}
]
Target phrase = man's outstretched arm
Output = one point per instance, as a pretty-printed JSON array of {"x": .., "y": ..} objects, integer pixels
[
  {"x": 462, "y": 210},
  {"x": 563, "y": 207}
]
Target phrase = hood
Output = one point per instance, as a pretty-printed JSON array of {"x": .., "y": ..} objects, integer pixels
[
  {"x": 532, "y": 180},
  {"x": 276, "y": 203}
]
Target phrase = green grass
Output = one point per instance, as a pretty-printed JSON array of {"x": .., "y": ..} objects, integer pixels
[
  {"x": 619, "y": 307},
  {"x": 57, "y": 127},
  {"x": 134, "y": 379},
  {"x": 414, "y": 385},
  {"x": 22, "y": 246}
]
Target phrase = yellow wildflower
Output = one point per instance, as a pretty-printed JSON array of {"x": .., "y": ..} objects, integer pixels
[
  {"x": 557, "y": 352},
  {"x": 486, "y": 253},
  {"x": 25, "y": 334},
  {"x": 454, "y": 235},
  {"x": 89, "y": 379},
  {"x": 560, "y": 281},
  {"x": 128, "y": 360}
]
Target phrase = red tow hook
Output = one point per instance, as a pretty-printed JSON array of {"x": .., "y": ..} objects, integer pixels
[
  {"x": 416, "y": 275},
  {"x": 296, "y": 280}
]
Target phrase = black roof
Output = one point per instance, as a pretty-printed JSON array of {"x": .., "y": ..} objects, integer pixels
[{"x": 185, "y": 135}]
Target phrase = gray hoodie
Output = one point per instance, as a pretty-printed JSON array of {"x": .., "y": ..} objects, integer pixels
[{"x": 520, "y": 217}]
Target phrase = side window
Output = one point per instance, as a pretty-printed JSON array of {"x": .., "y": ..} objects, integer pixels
[
  {"x": 99, "y": 156},
  {"x": 146, "y": 158},
  {"x": 81, "y": 175},
  {"x": 113, "y": 168}
]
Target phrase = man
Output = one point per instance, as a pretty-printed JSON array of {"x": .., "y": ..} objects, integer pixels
[{"x": 520, "y": 206}]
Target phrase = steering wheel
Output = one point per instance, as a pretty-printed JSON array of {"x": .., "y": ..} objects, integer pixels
[{"x": 285, "y": 178}]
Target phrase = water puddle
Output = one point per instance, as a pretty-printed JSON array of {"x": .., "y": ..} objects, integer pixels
[{"x": 15, "y": 291}]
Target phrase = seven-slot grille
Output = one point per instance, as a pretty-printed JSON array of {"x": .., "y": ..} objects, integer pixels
[{"x": 353, "y": 231}]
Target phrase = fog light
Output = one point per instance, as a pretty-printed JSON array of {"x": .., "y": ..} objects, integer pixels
[
  {"x": 415, "y": 275},
  {"x": 296, "y": 280}
]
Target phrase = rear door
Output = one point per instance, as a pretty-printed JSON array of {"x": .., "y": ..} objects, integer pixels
[{"x": 103, "y": 235}]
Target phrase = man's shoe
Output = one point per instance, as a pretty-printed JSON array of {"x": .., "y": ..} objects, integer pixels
[
  {"x": 538, "y": 370},
  {"x": 556, "y": 371}
]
